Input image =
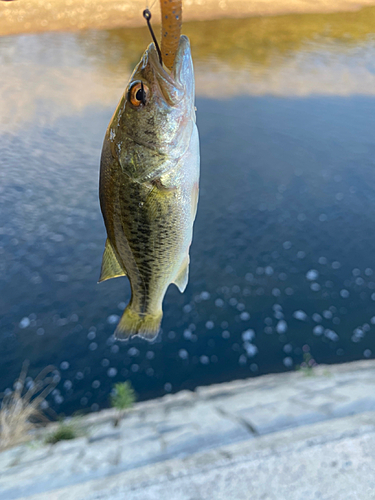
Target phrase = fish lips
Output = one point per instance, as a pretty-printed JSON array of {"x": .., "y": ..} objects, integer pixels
[{"x": 179, "y": 83}]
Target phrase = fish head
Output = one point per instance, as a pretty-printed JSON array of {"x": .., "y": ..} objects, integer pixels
[{"x": 157, "y": 110}]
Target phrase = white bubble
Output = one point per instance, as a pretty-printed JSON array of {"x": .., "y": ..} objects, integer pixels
[
  {"x": 281, "y": 326},
  {"x": 79, "y": 376},
  {"x": 254, "y": 367},
  {"x": 330, "y": 334},
  {"x": 115, "y": 349},
  {"x": 210, "y": 325},
  {"x": 276, "y": 292},
  {"x": 288, "y": 361},
  {"x": 317, "y": 318},
  {"x": 171, "y": 334},
  {"x": 113, "y": 319},
  {"x": 367, "y": 353},
  {"x": 301, "y": 255},
  {"x": 105, "y": 362},
  {"x": 248, "y": 335},
  {"x": 318, "y": 330},
  {"x": 369, "y": 271},
  {"x": 183, "y": 354},
  {"x": 245, "y": 316},
  {"x": 225, "y": 334},
  {"x": 205, "y": 295},
  {"x": 344, "y": 293},
  {"x": 312, "y": 275},
  {"x": 323, "y": 217},
  {"x": 84, "y": 401},
  {"x": 91, "y": 335},
  {"x": 322, "y": 261},
  {"x": 187, "y": 308},
  {"x": 359, "y": 281},
  {"x": 112, "y": 372},
  {"x": 121, "y": 306},
  {"x": 64, "y": 365},
  {"x": 259, "y": 271},
  {"x": 288, "y": 348},
  {"x": 134, "y": 367},
  {"x": 95, "y": 384},
  {"x": 24, "y": 323},
  {"x": 327, "y": 314},
  {"x": 150, "y": 354},
  {"x": 251, "y": 349},
  {"x": 187, "y": 334},
  {"x": 40, "y": 331},
  {"x": 93, "y": 346},
  {"x": 204, "y": 360},
  {"x": 133, "y": 351},
  {"x": 58, "y": 399},
  {"x": 240, "y": 307},
  {"x": 249, "y": 277},
  {"x": 233, "y": 301},
  {"x": 287, "y": 245},
  {"x": 269, "y": 271},
  {"x": 315, "y": 287},
  {"x": 68, "y": 385},
  {"x": 336, "y": 264},
  {"x": 219, "y": 303},
  {"x": 168, "y": 387},
  {"x": 301, "y": 315},
  {"x": 95, "y": 407},
  {"x": 236, "y": 289},
  {"x": 242, "y": 360}
]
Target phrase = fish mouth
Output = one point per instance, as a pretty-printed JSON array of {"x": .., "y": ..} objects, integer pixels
[{"x": 179, "y": 83}]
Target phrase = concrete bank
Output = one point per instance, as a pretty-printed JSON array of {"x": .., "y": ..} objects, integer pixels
[
  {"x": 286, "y": 436},
  {"x": 67, "y": 15}
]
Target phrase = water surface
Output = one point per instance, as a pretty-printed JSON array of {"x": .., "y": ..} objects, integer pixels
[{"x": 282, "y": 261}]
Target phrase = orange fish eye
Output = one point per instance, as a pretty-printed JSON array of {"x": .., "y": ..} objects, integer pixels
[{"x": 138, "y": 94}]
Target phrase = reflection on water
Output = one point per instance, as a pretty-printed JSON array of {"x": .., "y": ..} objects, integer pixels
[{"x": 283, "y": 252}]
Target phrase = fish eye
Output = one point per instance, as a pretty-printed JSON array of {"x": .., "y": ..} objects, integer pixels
[{"x": 138, "y": 94}]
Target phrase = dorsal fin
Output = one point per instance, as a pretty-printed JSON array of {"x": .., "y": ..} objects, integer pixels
[{"x": 111, "y": 268}]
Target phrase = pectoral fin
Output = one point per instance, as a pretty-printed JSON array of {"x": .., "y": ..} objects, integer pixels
[
  {"x": 111, "y": 267},
  {"x": 182, "y": 277}
]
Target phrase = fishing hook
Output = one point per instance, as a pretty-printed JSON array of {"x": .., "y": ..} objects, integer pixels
[{"x": 147, "y": 16}]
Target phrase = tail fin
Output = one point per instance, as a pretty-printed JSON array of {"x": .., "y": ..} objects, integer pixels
[{"x": 132, "y": 324}]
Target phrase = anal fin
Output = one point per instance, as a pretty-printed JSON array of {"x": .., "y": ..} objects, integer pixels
[
  {"x": 182, "y": 277},
  {"x": 111, "y": 268}
]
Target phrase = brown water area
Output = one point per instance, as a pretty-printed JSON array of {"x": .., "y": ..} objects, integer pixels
[{"x": 66, "y": 15}]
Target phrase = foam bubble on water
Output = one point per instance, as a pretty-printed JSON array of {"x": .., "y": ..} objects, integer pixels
[
  {"x": 318, "y": 330},
  {"x": 322, "y": 261},
  {"x": 187, "y": 308},
  {"x": 283, "y": 277},
  {"x": 68, "y": 385},
  {"x": 225, "y": 334},
  {"x": 359, "y": 281},
  {"x": 24, "y": 323},
  {"x": 254, "y": 367},
  {"x": 269, "y": 271},
  {"x": 58, "y": 399},
  {"x": 133, "y": 351},
  {"x": 79, "y": 376},
  {"x": 93, "y": 346},
  {"x": 301, "y": 255},
  {"x": 259, "y": 271},
  {"x": 84, "y": 401},
  {"x": 323, "y": 217},
  {"x": 249, "y": 277},
  {"x": 219, "y": 302},
  {"x": 369, "y": 271},
  {"x": 112, "y": 372},
  {"x": 287, "y": 245},
  {"x": 187, "y": 334},
  {"x": 317, "y": 318},
  {"x": 251, "y": 349},
  {"x": 150, "y": 354},
  {"x": 91, "y": 335},
  {"x": 315, "y": 287},
  {"x": 210, "y": 325},
  {"x": 300, "y": 315},
  {"x": 40, "y": 331},
  {"x": 288, "y": 361},
  {"x": 278, "y": 315},
  {"x": 171, "y": 335},
  {"x": 268, "y": 330},
  {"x": 248, "y": 335},
  {"x": 287, "y": 348},
  {"x": 344, "y": 293},
  {"x": 233, "y": 302},
  {"x": 204, "y": 360},
  {"x": 331, "y": 335},
  {"x": 289, "y": 291},
  {"x": 336, "y": 264},
  {"x": 245, "y": 316},
  {"x": 168, "y": 387},
  {"x": 183, "y": 354},
  {"x": 205, "y": 295},
  {"x": 281, "y": 326},
  {"x": 242, "y": 360},
  {"x": 367, "y": 353},
  {"x": 95, "y": 384},
  {"x": 150, "y": 372},
  {"x": 113, "y": 319},
  {"x": 356, "y": 271},
  {"x": 240, "y": 307},
  {"x": 64, "y": 365},
  {"x": 276, "y": 292},
  {"x": 95, "y": 407},
  {"x": 115, "y": 349},
  {"x": 327, "y": 314},
  {"x": 312, "y": 275},
  {"x": 105, "y": 362},
  {"x": 134, "y": 367}
]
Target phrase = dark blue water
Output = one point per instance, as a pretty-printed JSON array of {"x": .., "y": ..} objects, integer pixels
[{"x": 283, "y": 256}]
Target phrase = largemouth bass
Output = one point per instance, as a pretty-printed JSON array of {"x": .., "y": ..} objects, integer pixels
[{"x": 148, "y": 191}]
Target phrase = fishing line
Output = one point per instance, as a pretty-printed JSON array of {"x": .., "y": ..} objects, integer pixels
[{"x": 147, "y": 16}]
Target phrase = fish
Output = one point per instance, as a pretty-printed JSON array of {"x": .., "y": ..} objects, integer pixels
[{"x": 148, "y": 187}]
